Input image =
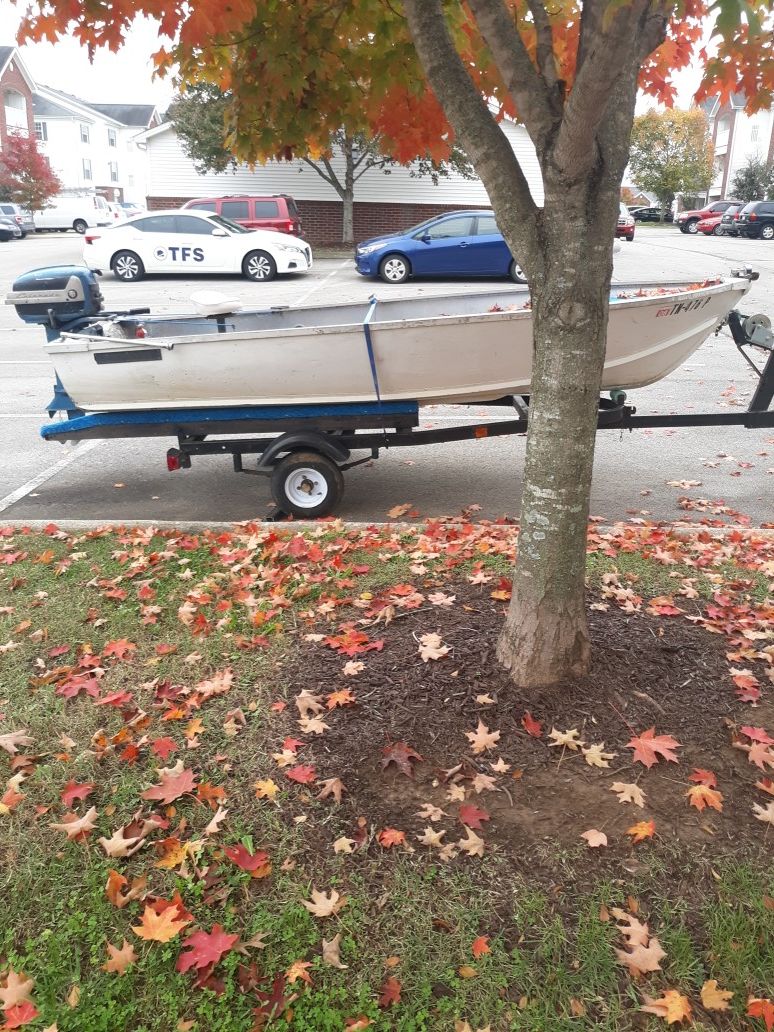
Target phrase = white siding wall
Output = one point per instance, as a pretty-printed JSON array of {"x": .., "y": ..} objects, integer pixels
[{"x": 170, "y": 173}]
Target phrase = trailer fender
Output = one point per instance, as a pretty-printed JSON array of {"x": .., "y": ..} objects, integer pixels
[{"x": 303, "y": 440}]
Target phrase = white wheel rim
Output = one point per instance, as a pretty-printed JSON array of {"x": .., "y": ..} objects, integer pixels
[
  {"x": 692, "y": 228},
  {"x": 767, "y": 232},
  {"x": 259, "y": 268},
  {"x": 394, "y": 269},
  {"x": 126, "y": 268},
  {"x": 306, "y": 488},
  {"x": 518, "y": 271}
]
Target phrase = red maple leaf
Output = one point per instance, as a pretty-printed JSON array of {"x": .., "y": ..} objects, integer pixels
[
  {"x": 20, "y": 1014},
  {"x": 472, "y": 816},
  {"x": 480, "y": 946},
  {"x": 121, "y": 649},
  {"x": 73, "y": 791},
  {"x": 390, "y": 993},
  {"x": 302, "y": 773},
  {"x": 390, "y": 837},
  {"x": 401, "y": 755},
  {"x": 649, "y": 745},
  {"x": 704, "y": 777},
  {"x": 205, "y": 949},
  {"x": 172, "y": 786},
  {"x": 246, "y": 860},
  {"x": 163, "y": 747},
  {"x": 531, "y": 726},
  {"x": 761, "y": 1008},
  {"x": 758, "y": 734}
]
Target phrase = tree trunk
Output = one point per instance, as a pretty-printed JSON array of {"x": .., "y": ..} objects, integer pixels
[
  {"x": 545, "y": 637},
  {"x": 348, "y": 196}
]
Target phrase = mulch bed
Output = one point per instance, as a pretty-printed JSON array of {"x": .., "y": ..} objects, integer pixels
[{"x": 646, "y": 671}]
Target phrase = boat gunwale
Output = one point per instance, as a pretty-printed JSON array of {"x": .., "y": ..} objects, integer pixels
[{"x": 60, "y": 345}]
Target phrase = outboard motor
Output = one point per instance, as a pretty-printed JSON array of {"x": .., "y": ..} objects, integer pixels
[{"x": 56, "y": 297}]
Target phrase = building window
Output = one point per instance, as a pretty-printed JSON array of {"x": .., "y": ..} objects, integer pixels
[
  {"x": 112, "y": 138},
  {"x": 86, "y": 168},
  {"x": 84, "y": 133},
  {"x": 113, "y": 166},
  {"x": 15, "y": 111},
  {"x": 41, "y": 132},
  {"x": 754, "y": 134}
]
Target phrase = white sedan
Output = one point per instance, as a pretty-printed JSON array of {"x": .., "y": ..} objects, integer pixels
[{"x": 188, "y": 243}]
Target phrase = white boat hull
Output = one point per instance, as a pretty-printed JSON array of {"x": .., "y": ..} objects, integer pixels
[{"x": 429, "y": 350}]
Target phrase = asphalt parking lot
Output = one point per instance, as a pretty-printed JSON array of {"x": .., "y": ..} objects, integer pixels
[{"x": 128, "y": 480}]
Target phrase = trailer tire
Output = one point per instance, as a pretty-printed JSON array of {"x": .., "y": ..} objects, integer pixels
[{"x": 307, "y": 484}]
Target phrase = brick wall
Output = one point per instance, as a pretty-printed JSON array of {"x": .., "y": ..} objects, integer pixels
[
  {"x": 321, "y": 220},
  {"x": 14, "y": 80}
]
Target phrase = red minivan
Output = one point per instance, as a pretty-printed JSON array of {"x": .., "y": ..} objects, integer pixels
[{"x": 276, "y": 212}]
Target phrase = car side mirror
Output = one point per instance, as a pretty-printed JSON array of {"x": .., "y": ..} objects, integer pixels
[
  {"x": 218, "y": 232},
  {"x": 425, "y": 238}
]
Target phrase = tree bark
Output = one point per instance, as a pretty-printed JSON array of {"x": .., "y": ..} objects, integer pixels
[{"x": 348, "y": 194}]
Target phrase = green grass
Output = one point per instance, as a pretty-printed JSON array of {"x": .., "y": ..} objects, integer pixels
[{"x": 552, "y": 965}]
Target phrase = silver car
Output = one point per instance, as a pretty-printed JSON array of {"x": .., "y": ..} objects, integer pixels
[
  {"x": 9, "y": 229},
  {"x": 22, "y": 218}
]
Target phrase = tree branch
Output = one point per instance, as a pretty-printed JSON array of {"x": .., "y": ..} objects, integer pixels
[
  {"x": 331, "y": 179},
  {"x": 606, "y": 57},
  {"x": 546, "y": 59},
  {"x": 531, "y": 93},
  {"x": 480, "y": 135}
]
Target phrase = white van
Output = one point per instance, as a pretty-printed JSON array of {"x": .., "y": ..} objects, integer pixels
[{"x": 78, "y": 213}]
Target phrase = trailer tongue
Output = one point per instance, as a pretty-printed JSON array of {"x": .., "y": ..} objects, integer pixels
[{"x": 305, "y": 449}]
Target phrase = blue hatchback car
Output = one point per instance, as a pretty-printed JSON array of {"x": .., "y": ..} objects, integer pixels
[{"x": 459, "y": 243}]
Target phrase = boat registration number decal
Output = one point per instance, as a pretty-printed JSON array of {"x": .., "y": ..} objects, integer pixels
[
  {"x": 683, "y": 306},
  {"x": 179, "y": 254}
]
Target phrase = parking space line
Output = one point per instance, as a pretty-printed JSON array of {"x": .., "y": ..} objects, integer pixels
[
  {"x": 26, "y": 361},
  {"x": 322, "y": 282},
  {"x": 76, "y": 453}
]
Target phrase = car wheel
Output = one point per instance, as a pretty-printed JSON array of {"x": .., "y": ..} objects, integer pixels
[
  {"x": 516, "y": 272},
  {"x": 767, "y": 233},
  {"x": 127, "y": 266},
  {"x": 24, "y": 235},
  {"x": 394, "y": 268},
  {"x": 259, "y": 266},
  {"x": 80, "y": 226},
  {"x": 691, "y": 226},
  {"x": 718, "y": 230}
]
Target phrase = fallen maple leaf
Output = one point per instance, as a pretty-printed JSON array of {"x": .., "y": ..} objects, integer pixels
[
  {"x": 431, "y": 837},
  {"x": 73, "y": 791},
  {"x": 628, "y": 793},
  {"x": 160, "y": 927},
  {"x": 567, "y": 739},
  {"x": 119, "y": 959},
  {"x": 13, "y": 739},
  {"x": 119, "y": 844},
  {"x": 344, "y": 845},
  {"x": 431, "y": 647},
  {"x": 764, "y": 813},
  {"x": 397, "y": 511},
  {"x": 641, "y": 959},
  {"x": 330, "y": 952},
  {"x": 116, "y": 882},
  {"x": 633, "y": 930},
  {"x": 205, "y": 949},
  {"x": 265, "y": 789},
  {"x": 594, "y": 838},
  {"x": 472, "y": 844},
  {"x": 648, "y": 746},
  {"x": 480, "y": 946},
  {"x": 713, "y": 998},
  {"x": 343, "y": 697},
  {"x": 390, "y": 994},
  {"x": 596, "y": 756},
  {"x": 704, "y": 777},
  {"x": 402, "y": 756},
  {"x": 299, "y": 969},
  {"x": 17, "y": 988},
  {"x": 77, "y": 827},
  {"x": 472, "y": 816},
  {"x": 642, "y": 830},
  {"x": 531, "y": 726},
  {"x": 702, "y": 796},
  {"x": 331, "y": 787},
  {"x": 302, "y": 774},
  {"x": 761, "y": 1007},
  {"x": 256, "y": 863},
  {"x": 482, "y": 738},
  {"x": 324, "y": 905},
  {"x": 174, "y": 782},
  {"x": 671, "y": 1006},
  {"x": 21, "y": 1014},
  {"x": 390, "y": 837}
]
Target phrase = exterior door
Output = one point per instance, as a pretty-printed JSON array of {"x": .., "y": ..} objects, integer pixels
[{"x": 445, "y": 248}]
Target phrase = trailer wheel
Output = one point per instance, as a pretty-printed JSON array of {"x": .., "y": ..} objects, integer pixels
[{"x": 307, "y": 484}]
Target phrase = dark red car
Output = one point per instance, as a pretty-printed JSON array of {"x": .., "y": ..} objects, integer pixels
[
  {"x": 688, "y": 221},
  {"x": 276, "y": 212}
]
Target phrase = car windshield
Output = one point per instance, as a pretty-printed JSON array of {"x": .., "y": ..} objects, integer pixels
[{"x": 232, "y": 227}]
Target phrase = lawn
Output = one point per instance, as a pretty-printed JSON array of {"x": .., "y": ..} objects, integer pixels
[{"x": 271, "y": 779}]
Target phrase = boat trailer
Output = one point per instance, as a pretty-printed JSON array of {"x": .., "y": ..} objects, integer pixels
[{"x": 306, "y": 450}]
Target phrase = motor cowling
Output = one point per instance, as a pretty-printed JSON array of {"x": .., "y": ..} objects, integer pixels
[{"x": 56, "y": 295}]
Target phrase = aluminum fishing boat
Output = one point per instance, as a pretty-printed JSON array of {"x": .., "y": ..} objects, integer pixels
[{"x": 458, "y": 348}]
